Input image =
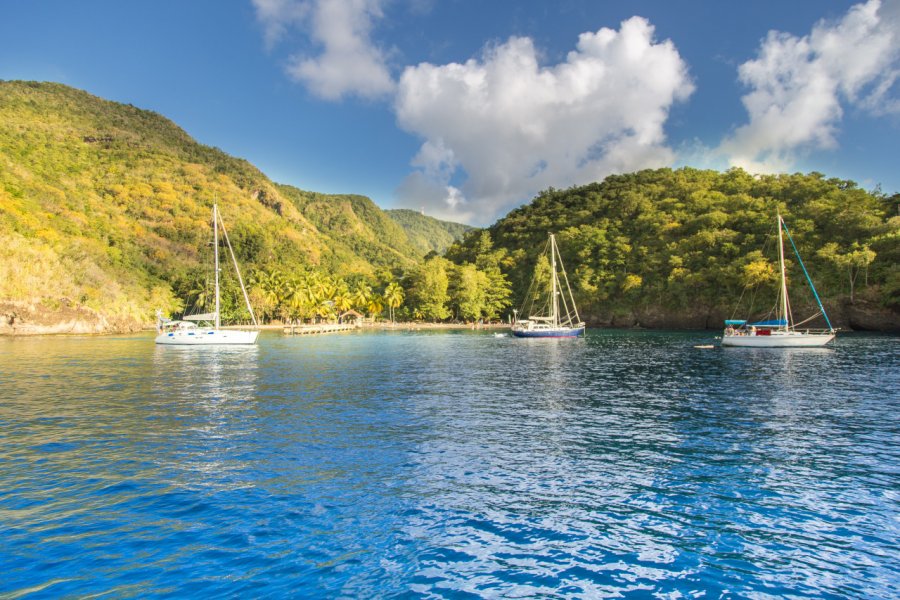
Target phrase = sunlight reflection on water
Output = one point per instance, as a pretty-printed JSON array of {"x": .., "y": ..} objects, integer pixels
[{"x": 442, "y": 464}]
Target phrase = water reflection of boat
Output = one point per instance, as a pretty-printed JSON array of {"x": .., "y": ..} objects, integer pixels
[
  {"x": 187, "y": 332},
  {"x": 550, "y": 319},
  {"x": 780, "y": 332}
]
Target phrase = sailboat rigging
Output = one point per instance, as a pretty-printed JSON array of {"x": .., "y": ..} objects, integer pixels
[
  {"x": 186, "y": 331},
  {"x": 557, "y": 315},
  {"x": 780, "y": 332}
]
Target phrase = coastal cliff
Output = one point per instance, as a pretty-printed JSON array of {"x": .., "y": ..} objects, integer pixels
[{"x": 27, "y": 318}]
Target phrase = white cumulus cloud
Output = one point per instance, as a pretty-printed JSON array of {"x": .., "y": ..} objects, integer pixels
[
  {"x": 800, "y": 85},
  {"x": 349, "y": 62},
  {"x": 500, "y": 128},
  {"x": 278, "y": 16}
]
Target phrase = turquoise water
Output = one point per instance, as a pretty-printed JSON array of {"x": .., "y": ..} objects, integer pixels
[{"x": 449, "y": 465}]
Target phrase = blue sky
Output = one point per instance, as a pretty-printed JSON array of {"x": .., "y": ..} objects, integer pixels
[{"x": 467, "y": 108}]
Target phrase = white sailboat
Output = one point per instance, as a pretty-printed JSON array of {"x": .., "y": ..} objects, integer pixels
[
  {"x": 187, "y": 332},
  {"x": 550, "y": 320},
  {"x": 780, "y": 332}
]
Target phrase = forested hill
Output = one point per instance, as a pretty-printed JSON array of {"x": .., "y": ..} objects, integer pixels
[
  {"x": 105, "y": 210},
  {"x": 105, "y": 207},
  {"x": 426, "y": 233},
  {"x": 679, "y": 248},
  {"x": 354, "y": 228}
]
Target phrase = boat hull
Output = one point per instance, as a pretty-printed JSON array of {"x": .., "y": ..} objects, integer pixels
[
  {"x": 207, "y": 337},
  {"x": 790, "y": 340},
  {"x": 562, "y": 332}
]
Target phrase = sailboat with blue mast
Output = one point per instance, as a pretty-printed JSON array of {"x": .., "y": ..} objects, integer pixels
[{"x": 782, "y": 331}]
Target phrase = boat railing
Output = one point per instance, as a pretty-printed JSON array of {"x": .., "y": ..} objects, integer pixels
[
  {"x": 764, "y": 331},
  {"x": 821, "y": 331}
]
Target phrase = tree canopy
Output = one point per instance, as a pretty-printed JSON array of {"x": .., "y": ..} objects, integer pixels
[
  {"x": 107, "y": 206},
  {"x": 690, "y": 239}
]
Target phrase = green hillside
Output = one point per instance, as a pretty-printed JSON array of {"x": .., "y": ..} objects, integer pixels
[
  {"x": 353, "y": 226},
  {"x": 678, "y": 248},
  {"x": 107, "y": 206},
  {"x": 105, "y": 209},
  {"x": 428, "y": 234}
]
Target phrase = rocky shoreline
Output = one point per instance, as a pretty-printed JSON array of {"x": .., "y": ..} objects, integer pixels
[
  {"x": 859, "y": 316},
  {"x": 35, "y": 318}
]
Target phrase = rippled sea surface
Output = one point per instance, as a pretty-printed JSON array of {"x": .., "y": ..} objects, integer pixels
[{"x": 456, "y": 465}]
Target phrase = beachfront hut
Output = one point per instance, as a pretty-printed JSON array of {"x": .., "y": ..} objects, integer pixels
[{"x": 351, "y": 317}]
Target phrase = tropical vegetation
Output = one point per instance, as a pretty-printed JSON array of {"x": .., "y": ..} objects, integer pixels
[
  {"x": 691, "y": 241},
  {"x": 107, "y": 206},
  {"x": 427, "y": 234}
]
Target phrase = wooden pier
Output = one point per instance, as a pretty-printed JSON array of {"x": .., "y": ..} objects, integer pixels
[{"x": 318, "y": 328}]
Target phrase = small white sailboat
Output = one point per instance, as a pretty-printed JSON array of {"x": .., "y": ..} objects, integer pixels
[
  {"x": 780, "y": 332},
  {"x": 187, "y": 331},
  {"x": 550, "y": 319}
]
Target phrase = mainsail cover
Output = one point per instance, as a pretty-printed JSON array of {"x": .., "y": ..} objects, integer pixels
[{"x": 771, "y": 323}]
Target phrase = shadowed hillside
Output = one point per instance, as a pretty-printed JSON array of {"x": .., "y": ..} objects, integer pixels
[{"x": 426, "y": 233}]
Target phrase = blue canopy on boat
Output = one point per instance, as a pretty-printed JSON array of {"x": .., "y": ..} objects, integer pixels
[
  {"x": 735, "y": 321},
  {"x": 771, "y": 323}
]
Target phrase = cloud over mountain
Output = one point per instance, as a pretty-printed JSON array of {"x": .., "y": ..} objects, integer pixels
[
  {"x": 503, "y": 125},
  {"x": 500, "y": 127},
  {"x": 506, "y": 126}
]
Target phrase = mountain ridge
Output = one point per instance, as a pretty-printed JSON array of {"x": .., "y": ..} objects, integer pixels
[
  {"x": 106, "y": 206},
  {"x": 104, "y": 217},
  {"x": 428, "y": 234}
]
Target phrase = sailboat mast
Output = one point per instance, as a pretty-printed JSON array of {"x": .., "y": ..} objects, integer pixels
[
  {"x": 237, "y": 271},
  {"x": 808, "y": 278},
  {"x": 216, "y": 251},
  {"x": 555, "y": 300},
  {"x": 784, "y": 298}
]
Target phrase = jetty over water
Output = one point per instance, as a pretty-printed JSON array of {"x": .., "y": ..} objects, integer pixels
[{"x": 319, "y": 328}]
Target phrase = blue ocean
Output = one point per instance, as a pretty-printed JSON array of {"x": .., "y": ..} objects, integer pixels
[{"x": 442, "y": 464}]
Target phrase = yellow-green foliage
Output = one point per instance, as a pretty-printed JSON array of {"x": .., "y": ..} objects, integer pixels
[
  {"x": 691, "y": 239},
  {"x": 426, "y": 233},
  {"x": 30, "y": 267},
  {"x": 109, "y": 206},
  {"x": 360, "y": 235}
]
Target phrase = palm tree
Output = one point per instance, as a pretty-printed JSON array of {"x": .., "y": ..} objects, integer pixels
[
  {"x": 309, "y": 289},
  {"x": 292, "y": 312},
  {"x": 198, "y": 295},
  {"x": 393, "y": 295},
  {"x": 375, "y": 305},
  {"x": 324, "y": 287},
  {"x": 361, "y": 296},
  {"x": 324, "y": 308},
  {"x": 269, "y": 288},
  {"x": 296, "y": 302},
  {"x": 342, "y": 298}
]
